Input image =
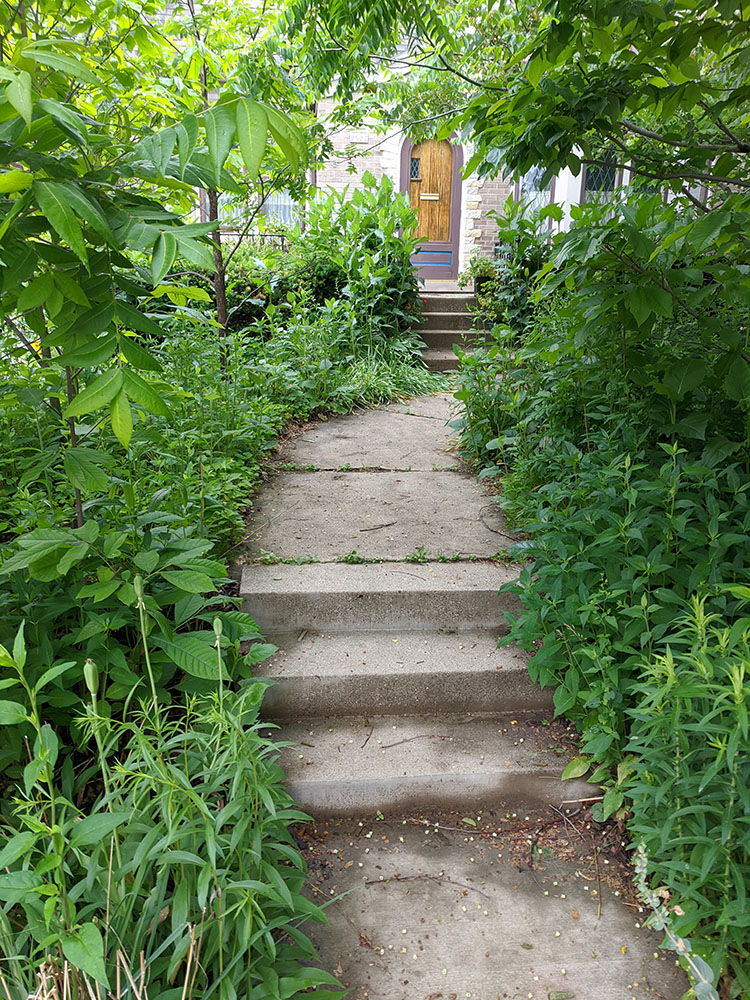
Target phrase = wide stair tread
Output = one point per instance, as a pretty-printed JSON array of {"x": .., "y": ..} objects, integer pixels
[
  {"x": 363, "y": 764},
  {"x": 398, "y": 673}
]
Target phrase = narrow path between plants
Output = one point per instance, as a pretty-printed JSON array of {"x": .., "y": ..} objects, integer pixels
[{"x": 430, "y": 761}]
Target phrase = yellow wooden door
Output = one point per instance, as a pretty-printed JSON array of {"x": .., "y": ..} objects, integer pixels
[{"x": 430, "y": 177}]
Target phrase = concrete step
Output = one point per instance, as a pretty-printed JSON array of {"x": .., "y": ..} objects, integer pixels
[
  {"x": 362, "y": 765},
  {"x": 379, "y": 515},
  {"x": 443, "y": 340},
  {"x": 338, "y": 597},
  {"x": 446, "y": 321},
  {"x": 440, "y": 360},
  {"x": 440, "y": 909},
  {"x": 398, "y": 673},
  {"x": 393, "y": 438},
  {"x": 452, "y": 302}
]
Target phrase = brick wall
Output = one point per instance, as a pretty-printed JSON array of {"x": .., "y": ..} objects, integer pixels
[
  {"x": 342, "y": 170},
  {"x": 478, "y": 228}
]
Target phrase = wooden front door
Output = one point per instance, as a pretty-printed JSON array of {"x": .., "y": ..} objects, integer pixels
[{"x": 433, "y": 183}]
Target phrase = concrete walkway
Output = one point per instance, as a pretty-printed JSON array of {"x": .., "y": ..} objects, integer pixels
[{"x": 429, "y": 760}]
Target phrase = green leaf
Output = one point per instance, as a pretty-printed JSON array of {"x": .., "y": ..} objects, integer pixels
[
  {"x": 258, "y": 652},
  {"x": 219, "y": 125},
  {"x": 135, "y": 319},
  {"x": 53, "y": 201},
  {"x": 187, "y": 136},
  {"x": 18, "y": 93},
  {"x": 101, "y": 392},
  {"x": 287, "y": 136},
  {"x": 197, "y": 253},
  {"x": 137, "y": 356},
  {"x": 99, "y": 591},
  {"x": 16, "y": 847},
  {"x": 147, "y": 561},
  {"x": 15, "y": 180},
  {"x": 685, "y": 375},
  {"x": 613, "y": 799},
  {"x": 15, "y": 887},
  {"x": 639, "y": 301},
  {"x": 142, "y": 393},
  {"x": 576, "y": 768},
  {"x": 50, "y": 675},
  {"x": 93, "y": 829},
  {"x": 84, "y": 949},
  {"x": 19, "y": 647},
  {"x": 90, "y": 355},
  {"x": 191, "y": 654},
  {"x": 189, "y": 580},
  {"x": 163, "y": 256},
  {"x": 252, "y": 134},
  {"x": 737, "y": 381},
  {"x": 693, "y": 425},
  {"x": 40, "y": 53},
  {"x": 122, "y": 418},
  {"x": 89, "y": 211},
  {"x": 11, "y": 713},
  {"x": 83, "y": 468},
  {"x": 36, "y": 292}
]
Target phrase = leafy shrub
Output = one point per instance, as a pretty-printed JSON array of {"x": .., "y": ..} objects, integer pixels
[
  {"x": 688, "y": 743},
  {"x": 172, "y": 880},
  {"x": 369, "y": 234},
  {"x": 625, "y": 452}
]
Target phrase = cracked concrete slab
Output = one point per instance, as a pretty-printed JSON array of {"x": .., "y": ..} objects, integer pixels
[
  {"x": 441, "y": 407},
  {"x": 384, "y": 515},
  {"x": 433, "y": 914},
  {"x": 376, "y": 439}
]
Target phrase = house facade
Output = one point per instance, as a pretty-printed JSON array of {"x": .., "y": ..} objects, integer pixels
[
  {"x": 452, "y": 211},
  {"x": 455, "y": 212}
]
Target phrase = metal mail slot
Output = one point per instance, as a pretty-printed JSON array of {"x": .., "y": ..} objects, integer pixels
[{"x": 429, "y": 196}]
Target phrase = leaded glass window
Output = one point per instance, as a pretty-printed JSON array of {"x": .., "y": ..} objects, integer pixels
[{"x": 414, "y": 169}]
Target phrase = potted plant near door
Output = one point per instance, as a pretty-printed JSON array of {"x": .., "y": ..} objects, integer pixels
[{"x": 481, "y": 270}]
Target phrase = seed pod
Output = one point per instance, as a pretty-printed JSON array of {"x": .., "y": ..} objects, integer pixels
[
  {"x": 91, "y": 676},
  {"x": 218, "y": 627},
  {"x": 138, "y": 586}
]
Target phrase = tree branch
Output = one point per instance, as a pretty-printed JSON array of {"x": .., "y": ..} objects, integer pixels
[
  {"x": 648, "y": 134},
  {"x": 696, "y": 176}
]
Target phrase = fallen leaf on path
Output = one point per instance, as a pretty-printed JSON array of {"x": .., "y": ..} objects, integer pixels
[
  {"x": 338, "y": 971},
  {"x": 574, "y": 914},
  {"x": 364, "y": 941},
  {"x": 561, "y": 996}
]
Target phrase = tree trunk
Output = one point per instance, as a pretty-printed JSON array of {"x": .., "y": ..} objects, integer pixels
[{"x": 220, "y": 275}]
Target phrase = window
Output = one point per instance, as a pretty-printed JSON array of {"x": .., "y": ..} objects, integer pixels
[
  {"x": 531, "y": 190},
  {"x": 414, "y": 169},
  {"x": 600, "y": 179},
  {"x": 280, "y": 206}
]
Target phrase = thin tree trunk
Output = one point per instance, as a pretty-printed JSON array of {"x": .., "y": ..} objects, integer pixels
[
  {"x": 73, "y": 443},
  {"x": 220, "y": 276}
]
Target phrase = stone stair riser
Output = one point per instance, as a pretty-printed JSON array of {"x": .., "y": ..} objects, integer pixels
[
  {"x": 446, "y": 321},
  {"x": 351, "y": 612},
  {"x": 440, "y": 361},
  {"x": 298, "y": 696},
  {"x": 446, "y": 302},
  {"x": 460, "y": 792},
  {"x": 443, "y": 340}
]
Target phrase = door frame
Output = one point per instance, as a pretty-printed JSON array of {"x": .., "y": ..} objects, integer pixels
[{"x": 438, "y": 258}]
